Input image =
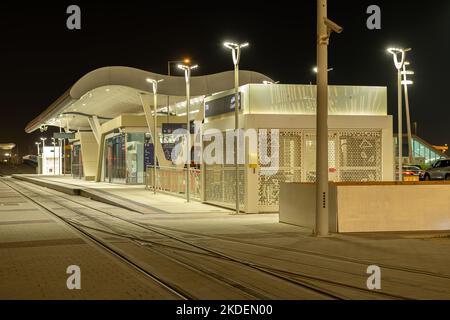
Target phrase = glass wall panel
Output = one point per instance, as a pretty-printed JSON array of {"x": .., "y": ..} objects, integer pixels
[
  {"x": 135, "y": 158},
  {"x": 77, "y": 162},
  {"x": 115, "y": 164}
]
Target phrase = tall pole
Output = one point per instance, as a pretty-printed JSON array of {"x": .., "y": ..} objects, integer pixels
[
  {"x": 168, "y": 97},
  {"x": 188, "y": 126},
  {"x": 406, "y": 82},
  {"x": 322, "y": 226},
  {"x": 396, "y": 52},
  {"x": 236, "y": 55},
  {"x": 155, "y": 126},
  {"x": 408, "y": 125},
  {"x": 236, "y": 125},
  {"x": 155, "y": 131},
  {"x": 400, "y": 126},
  {"x": 54, "y": 157},
  {"x": 187, "y": 67}
]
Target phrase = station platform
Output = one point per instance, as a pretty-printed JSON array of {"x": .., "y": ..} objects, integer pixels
[{"x": 131, "y": 197}]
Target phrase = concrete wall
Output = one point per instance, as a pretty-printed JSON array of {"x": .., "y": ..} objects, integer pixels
[
  {"x": 298, "y": 207},
  {"x": 371, "y": 207},
  {"x": 396, "y": 207}
]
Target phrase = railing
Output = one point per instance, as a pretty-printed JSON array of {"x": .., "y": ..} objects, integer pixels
[{"x": 173, "y": 180}]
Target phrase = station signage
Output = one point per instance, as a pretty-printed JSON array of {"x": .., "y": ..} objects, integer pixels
[
  {"x": 63, "y": 135},
  {"x": 169, "y": 128},
  {"x": 221, "y": 105}
]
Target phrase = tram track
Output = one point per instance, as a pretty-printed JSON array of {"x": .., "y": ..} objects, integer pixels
[
  {"x": 185, "y": 262},
  {"x": 300, "y": 279},
  {"x": 89, "y": 237}
]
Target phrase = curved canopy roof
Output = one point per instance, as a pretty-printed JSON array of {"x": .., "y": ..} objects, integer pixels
[
  {"x": 110, "y": 91},
  {"x": 7, "y": 146}
]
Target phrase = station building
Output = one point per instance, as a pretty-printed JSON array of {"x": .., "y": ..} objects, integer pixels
[{"x": 109, "y": 110}]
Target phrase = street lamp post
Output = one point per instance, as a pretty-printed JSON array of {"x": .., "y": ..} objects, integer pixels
[
  {"x": 38, "y": 145},
  {"x": 405, "y": 83},
  {"x": 324, "y": 29},
  {"x": 399, "y": 59},
  {"x": 40, "y": 159},
  {"x": 187, "y": 68},
  {"x": 186, "y": 61},
  {"x": 155, "y": 120},
  {"x": 54, "y": 156},
  {"x": 236, "y": 55}
]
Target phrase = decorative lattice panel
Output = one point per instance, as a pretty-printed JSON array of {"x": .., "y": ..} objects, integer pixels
[
  {"x": 353, "y": 155},
  {"x": 220, "y": 182},
  {"x": 289, "y": 165},
  {"x": 360, "y": 156}
]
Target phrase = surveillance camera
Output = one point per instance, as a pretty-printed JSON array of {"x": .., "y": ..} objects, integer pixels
[{"x": 333, "y": 26}]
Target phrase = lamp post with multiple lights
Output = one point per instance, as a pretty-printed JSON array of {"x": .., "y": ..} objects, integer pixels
[
  {"x": 236, "y": 54},
  {"x": 169, "y": 69},
  {"x": 406, "y": 83},
  {"x": 187, "y": 68},
  {"x": 155, "y": 120},
  {"x": 398, "y": 55}
]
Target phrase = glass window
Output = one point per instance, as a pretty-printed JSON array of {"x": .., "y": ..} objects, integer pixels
[
  {"x": 115, "y": 167},
  {"x": 135, "y": 158}
]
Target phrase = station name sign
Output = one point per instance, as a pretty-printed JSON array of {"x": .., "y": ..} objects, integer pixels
[
  {"x": 221, "y": 105},
  {"x": 169, "y": 128},
  {"x": 63, "y": 135}
]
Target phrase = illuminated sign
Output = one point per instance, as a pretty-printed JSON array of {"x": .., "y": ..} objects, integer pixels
[{"x": 221, "y": 105}]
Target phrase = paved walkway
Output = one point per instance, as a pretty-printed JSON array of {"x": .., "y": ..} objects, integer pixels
[
  {"x": 36, "y": 249},
  {"x": 160, "y": 202}
]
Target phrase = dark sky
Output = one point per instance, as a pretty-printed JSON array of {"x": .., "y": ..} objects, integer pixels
[{"x": 41, "y": 59}]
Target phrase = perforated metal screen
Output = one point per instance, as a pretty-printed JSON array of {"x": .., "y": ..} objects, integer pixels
[{"x": 353, "y": 156}]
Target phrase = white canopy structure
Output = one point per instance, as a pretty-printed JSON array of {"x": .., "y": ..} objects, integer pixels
[{"x": 113, "y": 91}]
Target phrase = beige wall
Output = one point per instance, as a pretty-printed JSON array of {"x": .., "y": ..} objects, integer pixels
[
  {"x": 298, "y": 207},
  {"x": 89, "y": 151},
  {"x": 371, "y": 207},
  {"x": 406, "y": 207}
]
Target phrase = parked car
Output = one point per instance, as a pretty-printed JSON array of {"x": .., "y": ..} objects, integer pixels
[
  {"x": 411, "y": 172},
  {"x": 439, "y": 171}
]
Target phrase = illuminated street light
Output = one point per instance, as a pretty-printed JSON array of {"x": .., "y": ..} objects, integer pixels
[
  {"x": 315, "y": 69},
  {"x": 236, "y": 55},
  {"x": 43, "y": 142},
  {"x": 187, "y": 68},
  {"x": 169, "y": 69},
  {"x": 406, "y": 83},
  {"x": 155, "y": 120},
  {"x": 398, "y": 55},
  {"x": 270, "y": 82}
]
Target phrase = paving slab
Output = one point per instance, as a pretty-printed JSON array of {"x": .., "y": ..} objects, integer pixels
[{"x": 36, "y": 249}]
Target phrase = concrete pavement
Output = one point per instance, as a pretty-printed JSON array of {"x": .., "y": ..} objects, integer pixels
[
  {"x": 36, "y": 249},
  {"x": 414, "y": 265}
]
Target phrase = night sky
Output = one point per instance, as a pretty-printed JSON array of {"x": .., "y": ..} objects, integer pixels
[{"x": 41, "y": 58}]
